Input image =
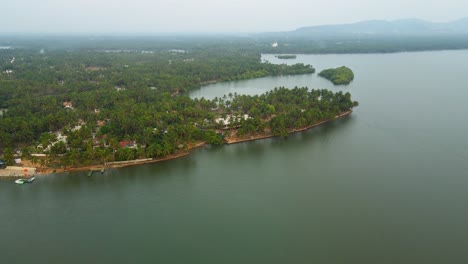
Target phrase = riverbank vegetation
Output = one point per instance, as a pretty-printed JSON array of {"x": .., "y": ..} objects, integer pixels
[
  {"x": 338, "y": 76},
  {"x": 81, "y": 107}
]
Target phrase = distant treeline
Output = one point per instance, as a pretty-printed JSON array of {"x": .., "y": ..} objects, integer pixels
[
  {"x": 365, "y": 44},
  {"x": 253, "y": 44}
]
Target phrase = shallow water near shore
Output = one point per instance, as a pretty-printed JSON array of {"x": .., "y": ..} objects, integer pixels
[{"x": 386, "y": 184}]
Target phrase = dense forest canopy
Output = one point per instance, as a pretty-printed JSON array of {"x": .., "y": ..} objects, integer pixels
[
  {"x": 83, "y": 105},
  {"x": 338, "y": 76}
]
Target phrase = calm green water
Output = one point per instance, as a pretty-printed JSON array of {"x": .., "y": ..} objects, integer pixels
[{"x": 387, "y": 184}]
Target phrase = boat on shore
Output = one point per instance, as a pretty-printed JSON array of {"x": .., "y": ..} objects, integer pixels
[
  {"x": 20, "y": 181},
  {"x": 93, "y": 170},
  {"x": 23, "y": 181}
]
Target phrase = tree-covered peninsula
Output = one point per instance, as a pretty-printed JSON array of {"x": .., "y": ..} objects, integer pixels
[
  {"x": 338, "y": 76},
  {"x": 88, "y": 107}
]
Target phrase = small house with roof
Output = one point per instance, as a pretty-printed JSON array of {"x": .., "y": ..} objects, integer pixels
[{"x": 128, "y": 144}]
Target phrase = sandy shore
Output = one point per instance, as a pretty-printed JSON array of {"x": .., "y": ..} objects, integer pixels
[{"x": 229, "y": 140}]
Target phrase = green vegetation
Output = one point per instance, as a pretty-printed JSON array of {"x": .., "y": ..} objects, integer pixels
[
  {"x": 338, "y": 76},
  {"x": 283, "y": 110},
  {"x": 363, "y": 44},
  {"x": 84, "y": 106}
]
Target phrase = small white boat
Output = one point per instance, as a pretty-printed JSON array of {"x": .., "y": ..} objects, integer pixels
[{"x": 20, "y": 181}]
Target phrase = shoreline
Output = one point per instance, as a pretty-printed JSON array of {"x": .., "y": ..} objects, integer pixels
[
  {"x": 263, "y": 136},
  {"x": 122, "y": 164},
  {"x": 229, "y": 141}
]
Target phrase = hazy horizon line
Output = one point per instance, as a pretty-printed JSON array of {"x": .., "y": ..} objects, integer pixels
[{"x": 239, "y": 33}]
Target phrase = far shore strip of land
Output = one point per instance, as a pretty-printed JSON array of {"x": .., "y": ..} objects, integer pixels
[{"x": 229, "y": 140}]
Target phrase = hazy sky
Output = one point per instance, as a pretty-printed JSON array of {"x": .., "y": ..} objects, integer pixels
[{"x": 115, "y": 16}]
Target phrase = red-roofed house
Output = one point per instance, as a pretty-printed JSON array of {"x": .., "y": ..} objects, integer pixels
[
  {"x": 128, "y": 144},
  {"x": 68, "y": 105}
]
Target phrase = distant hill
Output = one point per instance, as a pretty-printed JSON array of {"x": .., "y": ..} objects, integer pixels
[
  {"x": 404, "y": 27},
  {"x": 379, "y": 36}
]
